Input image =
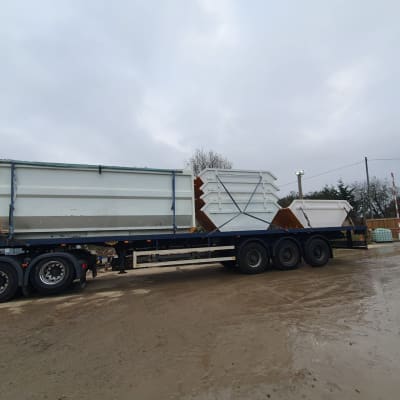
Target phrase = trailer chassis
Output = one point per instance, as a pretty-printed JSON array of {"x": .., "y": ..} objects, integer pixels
[{"x": 50, "y": 265}]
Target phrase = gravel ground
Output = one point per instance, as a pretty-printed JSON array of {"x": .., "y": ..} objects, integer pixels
[{"x": 208, "y": 333}]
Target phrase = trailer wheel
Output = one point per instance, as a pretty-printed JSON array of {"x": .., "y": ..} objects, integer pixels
[
  {"x": 317, "y": 252},
  {"x": 52, "y": 275},
  {"x": 286, "y": 255},
  {"x": 253, "y": 258},
  {"x": 8, "y": 282}
]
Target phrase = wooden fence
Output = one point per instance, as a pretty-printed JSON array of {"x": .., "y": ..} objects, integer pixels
[{"x": 389, "y": 223}]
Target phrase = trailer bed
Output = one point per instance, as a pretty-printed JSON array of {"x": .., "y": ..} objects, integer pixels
[{"x": 332, "y": 232}]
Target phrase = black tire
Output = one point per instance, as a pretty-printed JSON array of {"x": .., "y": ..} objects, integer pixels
[
  {"x": 287, "y": 255},
  {"x": 253, "y": 258},
  {"x": 52, "y": 275},
  {"x": 317, "y": 252},
  {"x": 8, "y": 282}
]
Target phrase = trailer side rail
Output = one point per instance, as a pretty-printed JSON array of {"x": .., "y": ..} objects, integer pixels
[{"x": 188, "y": 252}]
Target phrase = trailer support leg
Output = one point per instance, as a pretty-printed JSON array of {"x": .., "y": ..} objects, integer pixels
[
  {"x": 349, "y": 239},
  {"x": 121, "y": 260}
]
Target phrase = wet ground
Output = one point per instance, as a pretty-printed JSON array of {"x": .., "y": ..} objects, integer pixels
[{"x": 205, "y": 333}]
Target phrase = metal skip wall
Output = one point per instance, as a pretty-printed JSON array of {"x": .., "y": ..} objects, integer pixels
[
  {"x": 237, "y": 200},
  {"x": 55, "y": 200}
]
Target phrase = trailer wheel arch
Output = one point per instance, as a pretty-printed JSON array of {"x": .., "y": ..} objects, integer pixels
[{"x": 69, "y": 257}]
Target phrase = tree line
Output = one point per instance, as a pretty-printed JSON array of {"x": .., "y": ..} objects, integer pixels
[{"x": 378, "y": 204}]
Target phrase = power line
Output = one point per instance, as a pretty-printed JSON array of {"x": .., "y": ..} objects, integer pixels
[
  {"x": 325, "y": 173},
  {"x": 334, "y": 170},
  {"x": 384, "y": 159},
  {"x": 340, "y": 168}
]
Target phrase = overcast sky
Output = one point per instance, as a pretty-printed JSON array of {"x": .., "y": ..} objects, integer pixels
[{"x": 272, "y": 85}]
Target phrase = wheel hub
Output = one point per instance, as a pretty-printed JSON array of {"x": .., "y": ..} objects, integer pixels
[
  {"x": 4, "y": 280},
  {"x": 52, "y": 272},
  {"x": 287, "y": 255},
  {"x": 317, "y": 251},
  {"x": 254, "y": 259}
]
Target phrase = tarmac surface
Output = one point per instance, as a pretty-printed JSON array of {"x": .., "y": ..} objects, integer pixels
[{"x": 208, "y": 333}]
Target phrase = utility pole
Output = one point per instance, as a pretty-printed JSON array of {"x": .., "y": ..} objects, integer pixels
[
  {"x": 395, "y": 204},
  {"x": 394, "y": 191},
  {"x": 368, "y": 191},
  {"x": 299, "y": 175}
]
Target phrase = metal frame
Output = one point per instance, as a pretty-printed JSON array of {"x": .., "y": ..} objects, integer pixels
[
  {"x": 12, "y": 203},
  {"x": 6, "y": 243},
  {"x": 137, "y": 254},
  {"x": 173, "y": 207},
  {"x": 240, "y": 211},
  {"x": 338, "y": 237},
  {"x": 99, "y": 168}
]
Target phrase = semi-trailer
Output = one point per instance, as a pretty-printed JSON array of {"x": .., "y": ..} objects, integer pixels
[{"x": 52, "y": 214}]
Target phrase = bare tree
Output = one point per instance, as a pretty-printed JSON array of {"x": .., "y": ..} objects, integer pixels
[
  {"x": 379, "y": 204},
  {"x": 207, "y": 159},
  {"x": 380, "y": 198}
]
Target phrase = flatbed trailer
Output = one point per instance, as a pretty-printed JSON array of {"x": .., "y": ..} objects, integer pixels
[{"x": 50, "y": 265}]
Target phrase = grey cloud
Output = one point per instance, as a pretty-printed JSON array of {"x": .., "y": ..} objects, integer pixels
[{"x": 277, "y": 86}]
